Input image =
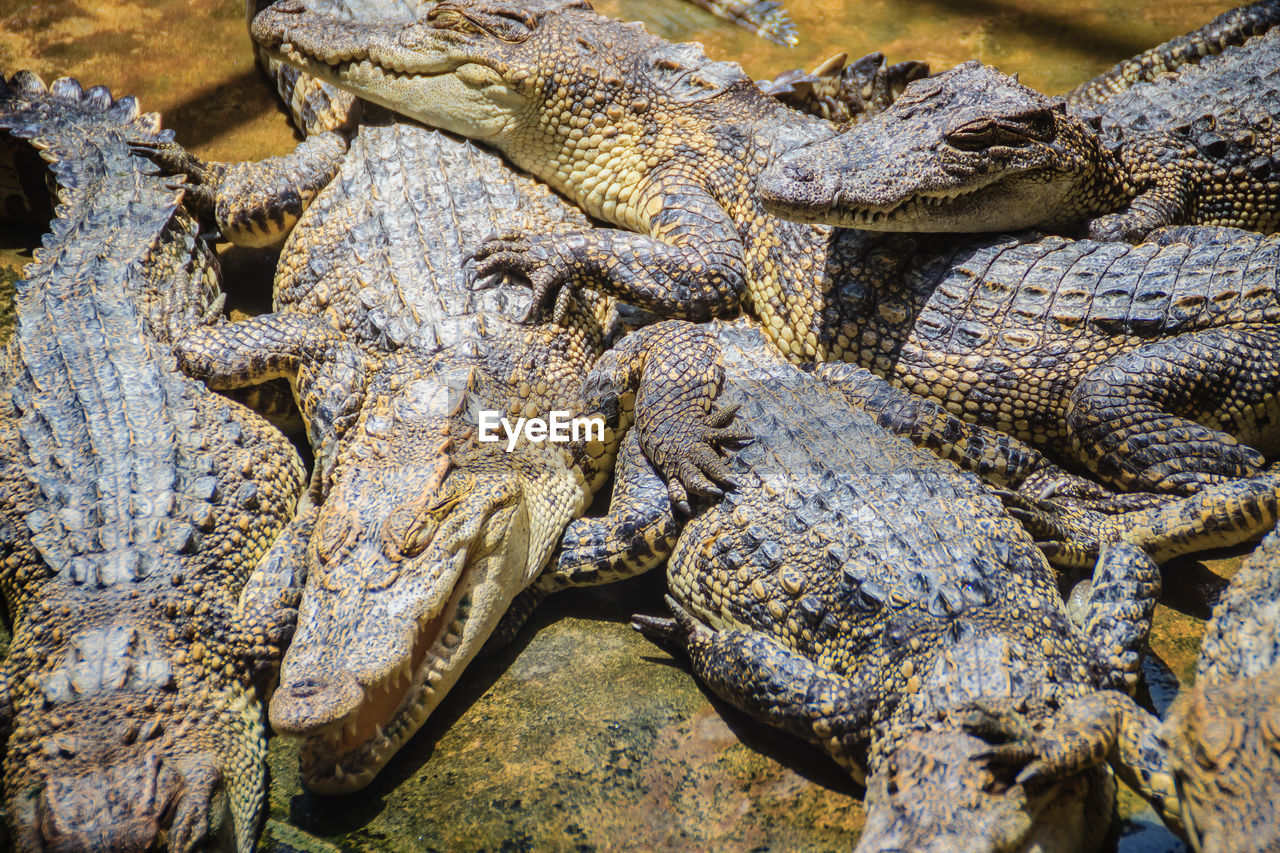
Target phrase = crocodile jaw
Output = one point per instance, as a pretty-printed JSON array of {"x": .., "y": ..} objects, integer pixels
[
  {"x": 844, "y": 193},
  {"x": 352, "y": 722},
  {"x": 419, "y": 71}
]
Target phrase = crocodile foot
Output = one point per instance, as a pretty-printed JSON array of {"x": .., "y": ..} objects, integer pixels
[
  {"x": 534, "y": 260},
  {"x": 690, "y": 460}
]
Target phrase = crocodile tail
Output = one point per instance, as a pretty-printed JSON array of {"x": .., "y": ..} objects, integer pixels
[
  {"x": 1230, "y": 28},
  {"x": 43, "y": 114},
  {"x": 765, "y": 18}
]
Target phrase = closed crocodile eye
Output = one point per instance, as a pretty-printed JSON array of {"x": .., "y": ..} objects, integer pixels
[{"x": 1009, "y": 131}]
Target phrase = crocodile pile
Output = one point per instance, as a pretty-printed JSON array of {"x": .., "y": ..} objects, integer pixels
[
  {"x": 424, "y": 534},
  {"x": 859, "y": 455}
]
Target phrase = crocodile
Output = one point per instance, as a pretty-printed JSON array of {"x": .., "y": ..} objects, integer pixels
[
  {"x": 143, "y": 518},
  {"x": 867, "y": 596},
  {"x": 1210, "y": 768},
  {"x": 1098, "y": 352},
  {"x": 255, "y": 204},
  {"x": 425, "y": 534},
  {"x": 974, "y": 150}
]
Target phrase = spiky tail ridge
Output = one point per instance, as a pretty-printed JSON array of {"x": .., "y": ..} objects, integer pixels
[{"x": 1230, "y": 28}]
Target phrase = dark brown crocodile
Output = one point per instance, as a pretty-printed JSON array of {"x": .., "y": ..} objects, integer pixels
[
  {"x": 1155, "y": 365},
  {"x": 136, "y": 512},
  {"x": 973, "y": 150}
]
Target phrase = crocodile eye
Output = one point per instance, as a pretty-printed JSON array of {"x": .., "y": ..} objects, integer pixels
[
  {"x": 1009, "y": 131},
  {"x": 418, "y": 538}
]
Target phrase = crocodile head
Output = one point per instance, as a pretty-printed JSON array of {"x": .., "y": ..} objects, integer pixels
[
  {"x": 418, "y": 549},
  {"x": 937, "y": 794},
  {"x": 109, "y": 777},
  {"x": 1225, "y": 748},
  {"x": 548, "y": 82},
  {"x": 969, "y": 150},
  {"x": 468, "y": 67}
]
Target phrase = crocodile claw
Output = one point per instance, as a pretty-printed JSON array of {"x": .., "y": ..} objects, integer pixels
[{"x": 677, "y": 631}]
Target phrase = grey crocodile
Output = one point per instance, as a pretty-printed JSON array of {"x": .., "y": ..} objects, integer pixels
[
  {"x": 862, "y": 594},
  {"x": 136, "y": 512},
  {"x": 1095, "y": 351},
  {"x": 973, "y": 150},
  {"x": 424, "y": 534}
]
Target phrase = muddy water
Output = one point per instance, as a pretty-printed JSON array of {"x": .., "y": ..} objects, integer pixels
[{"x": 581, "y": 735}]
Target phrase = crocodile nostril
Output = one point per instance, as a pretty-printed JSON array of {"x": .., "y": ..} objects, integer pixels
[
  {"x": 305, "y": 687},
  {"x": 798, "y": 172}
]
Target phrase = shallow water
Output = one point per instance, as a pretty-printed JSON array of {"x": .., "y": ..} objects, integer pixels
[{"x": 582, "y": 735}]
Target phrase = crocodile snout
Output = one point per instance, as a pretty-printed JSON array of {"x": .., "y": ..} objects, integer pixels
[{"x": 314, "y": 702}]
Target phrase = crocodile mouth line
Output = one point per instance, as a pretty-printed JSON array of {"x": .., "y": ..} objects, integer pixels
[
  {"x": 911, "y": 208},
  {"x": 346, "y": 757},
  {"x": 347, "y": 69}
]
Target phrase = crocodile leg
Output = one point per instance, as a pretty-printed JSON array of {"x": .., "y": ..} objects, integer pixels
[
  {"x": 995, "y": 456},
  {"x": 777, "y": 686},
  {"x": 1163, "y": 417},
  {"x": 256, "y": 204},
  {"x": 1220, "y": 516},
  {"x": 673, "y": 369},
  {"x": 269, "y": 600},
  {"x": 691, "y": 265},
  {"x": 638, "y": 533},
  {"x": 1103, "y": 726},
  {"x": 1165, "y": 195},
  {"x": 1122, "y": 596},
  {"x": 328, "y": 372}
]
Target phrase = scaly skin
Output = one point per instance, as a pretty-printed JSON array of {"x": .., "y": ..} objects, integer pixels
[
  {"x": 1230, "y": 28},
  {"x": 1092, "y": 350},
  {"x": 864, "y": 595},
  {"x": 136, "y": 508},
  {"x": 973, "y": 150},
  {"x": 1211, "y": 767},
  {"x": 844, "y": 94},
  {"x": 424, "y": 536}
]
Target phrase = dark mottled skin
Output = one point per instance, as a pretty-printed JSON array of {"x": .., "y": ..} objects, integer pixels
[
  {"x": 1004, "y": 332},
  {"x": 864, "y": 595},
  {"x": 1230, "y": 28},
  {"x": 973, "y": 150},
  {"x": 1211, "y": 767},
  {"x": 424, "y": 535},
  {"x": 136, "y": 513}
]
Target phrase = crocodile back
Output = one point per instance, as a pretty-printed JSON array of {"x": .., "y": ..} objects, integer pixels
[
  {"x": 93, "y": 382},
  {"x": 839, "y": 528},
  {"x": 1227, "y": 106},
  {"x": 1240, "y": 85},
  {"x": 381, "y": 250}
]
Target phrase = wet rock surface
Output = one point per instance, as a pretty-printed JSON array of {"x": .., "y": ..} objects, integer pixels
[{"x": 582, "y": 735}]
